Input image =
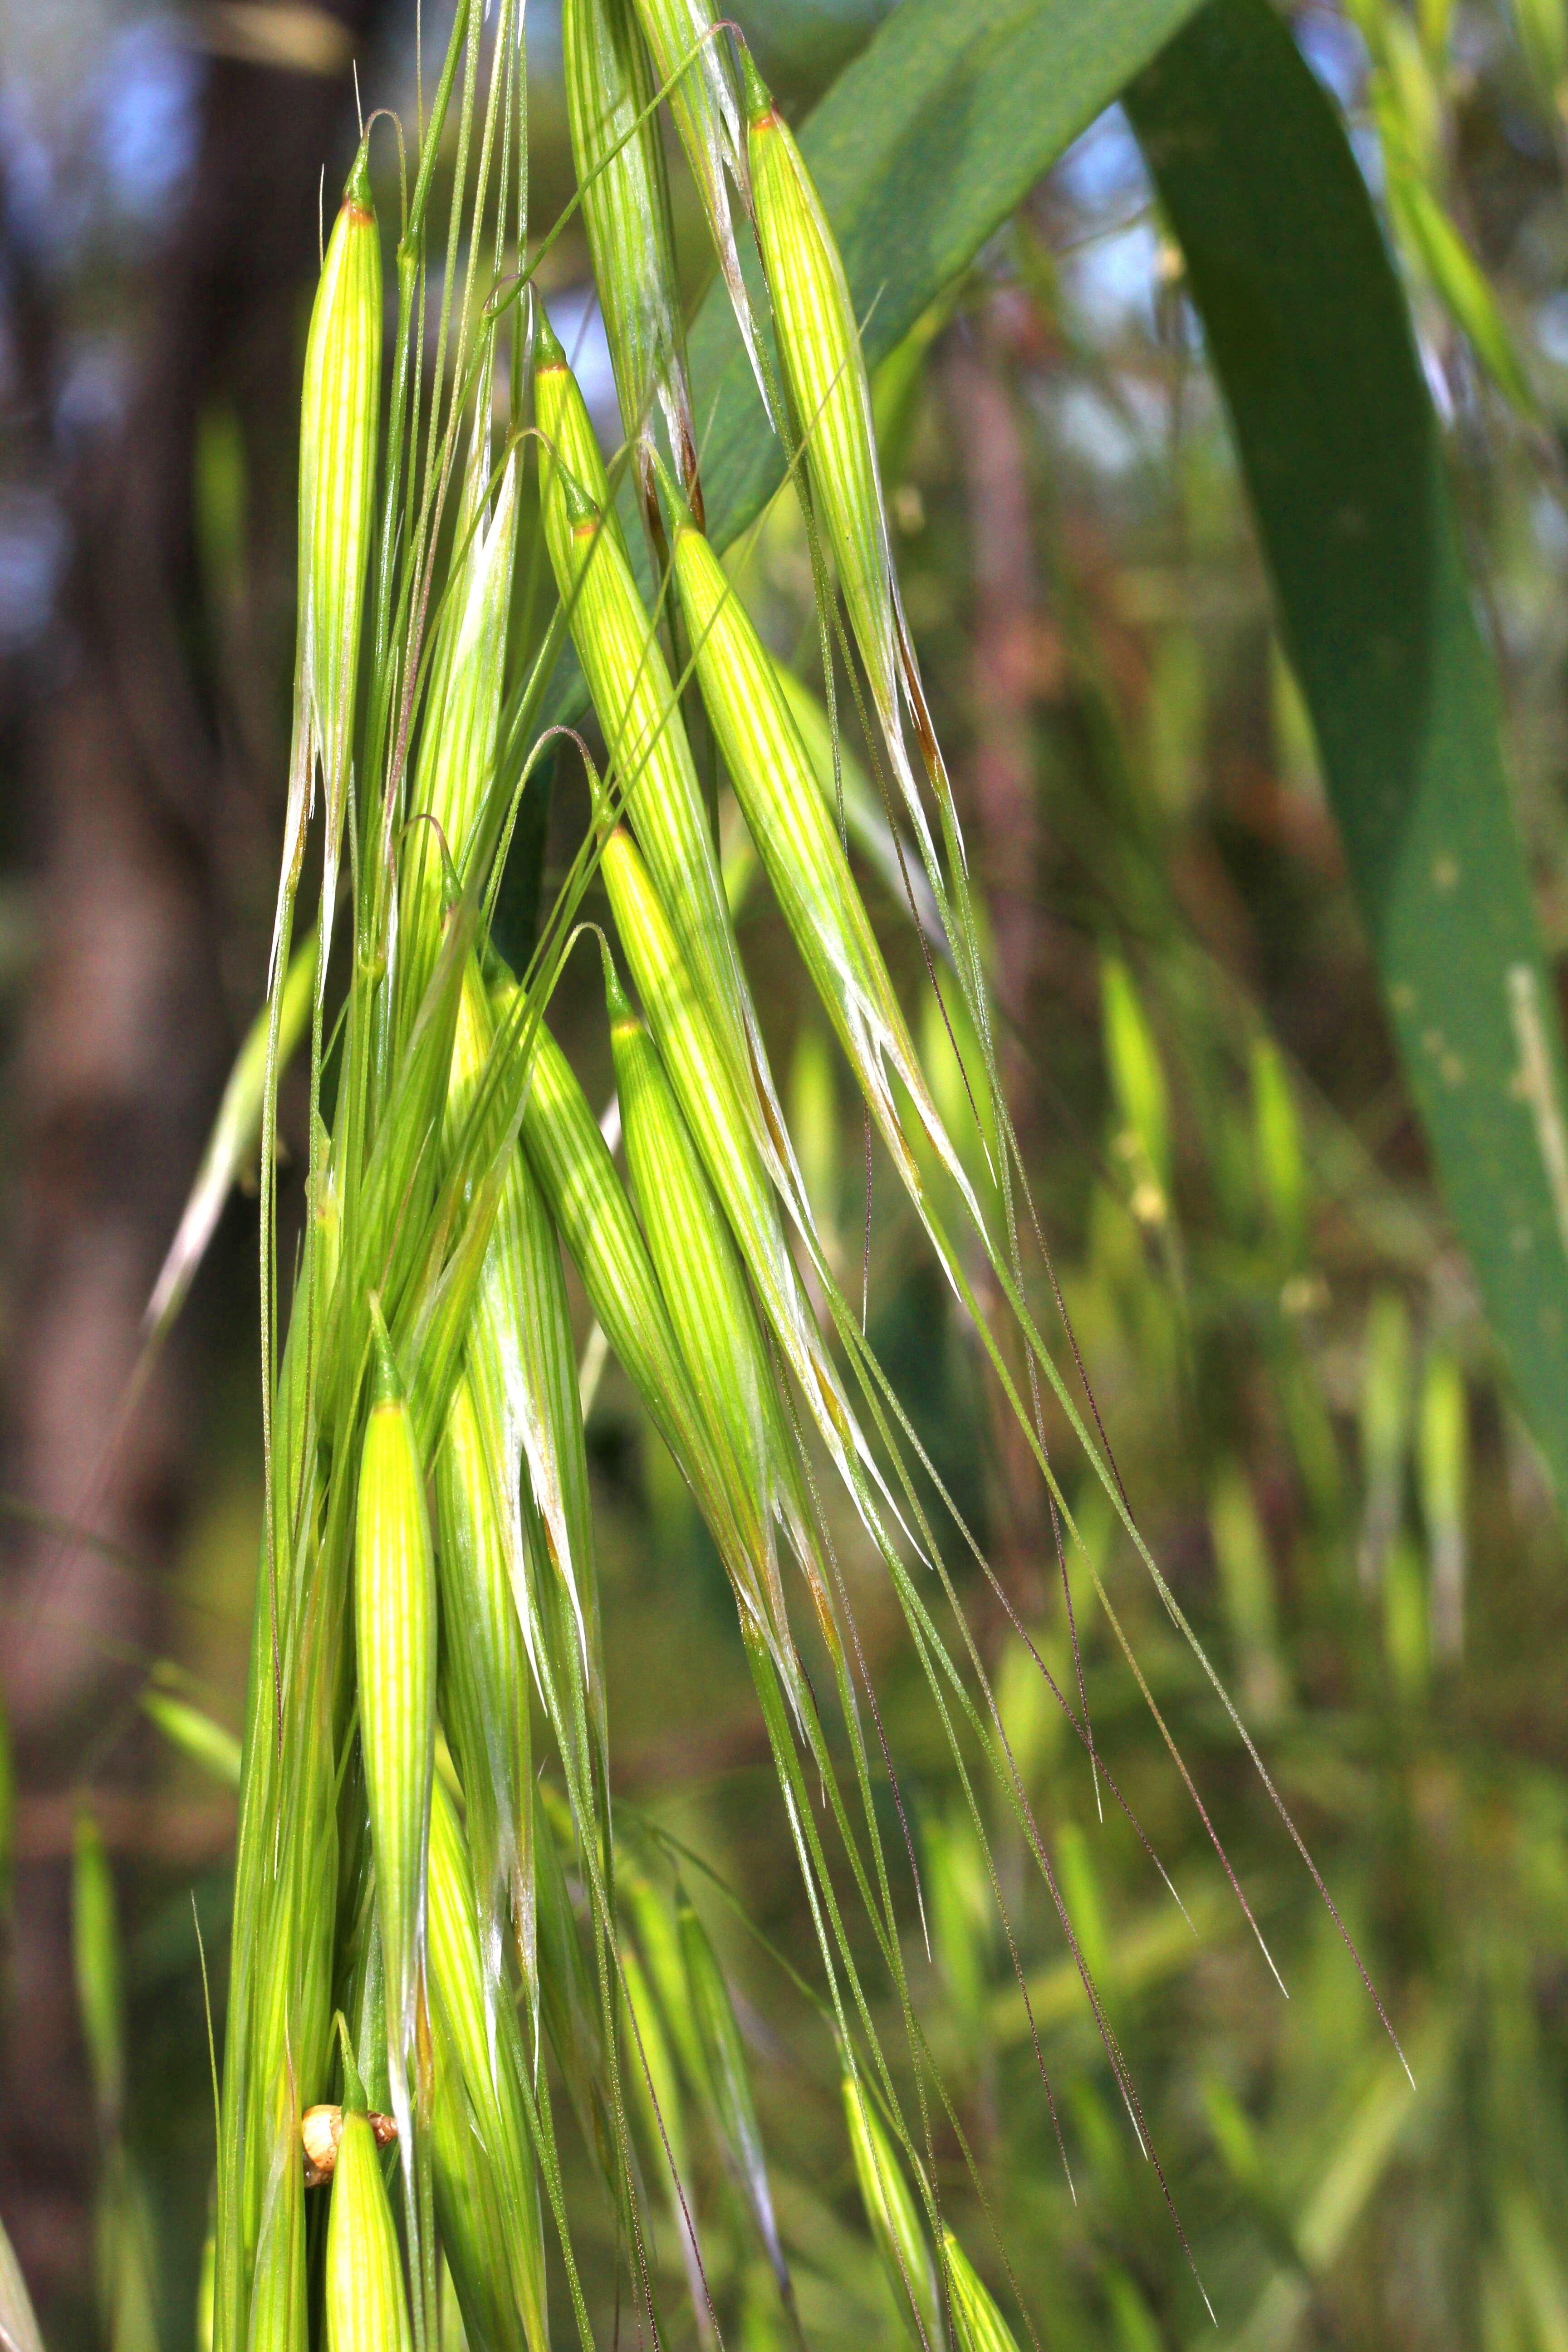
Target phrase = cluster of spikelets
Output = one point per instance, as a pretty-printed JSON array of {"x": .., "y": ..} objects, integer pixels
[{"x": 418, "y": 1918}]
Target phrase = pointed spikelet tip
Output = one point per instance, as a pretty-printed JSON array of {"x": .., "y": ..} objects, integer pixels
[
  {"x": 581, "y": 511},
  {"x": 674, "y": 498},
  {"x": 357, "y": 187},
  {"x": 547, "y": 352},
  {"x": 758, "y": 96},
  {"x": 388, "y": 1385}
]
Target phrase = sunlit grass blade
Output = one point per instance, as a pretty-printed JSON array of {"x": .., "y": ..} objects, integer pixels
[{"x": 232, "y": 1140}]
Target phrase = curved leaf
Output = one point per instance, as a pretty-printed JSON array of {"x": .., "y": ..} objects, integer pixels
[{"x": 1310, "y": 335}]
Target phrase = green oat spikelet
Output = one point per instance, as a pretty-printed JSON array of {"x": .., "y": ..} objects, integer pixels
[
  {"x": 482, "y": 2072},
  {"x": 483, "y": 1675},
  {"x": 825, "y": 371},
  {"x": 365, "y": 2307},
  {"x": 705, "y": 1289},
  {"x": 778, "y": 791},
  {"x": 339, "y": 418},
  {"x": 687, "y": 55},
  {"x": 630, "y": 683},
  {"x": 457, "y": 743},
  {"x": 524, "y": 1367},
  {"x": 626, "y": 204},
  {"x": 589, "y": 1205},
  {"x": 394, "y": 1628},
  {"x": 566, "y": 437},
  {"x": 978, "y": 2323},
  {"x": 896, "y": 2225},
  {"x": 723, "y": 1121}
]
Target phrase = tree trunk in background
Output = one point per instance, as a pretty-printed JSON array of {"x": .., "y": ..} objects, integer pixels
[
  {"x": 1001, "y": 813},
  {"x": 153, "y": 805}
]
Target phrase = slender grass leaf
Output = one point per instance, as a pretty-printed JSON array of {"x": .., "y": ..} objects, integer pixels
[{"x": 1310, "y": 335}]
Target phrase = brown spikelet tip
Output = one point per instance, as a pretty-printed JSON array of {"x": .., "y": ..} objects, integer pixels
[{"x": 692, "y": 479}]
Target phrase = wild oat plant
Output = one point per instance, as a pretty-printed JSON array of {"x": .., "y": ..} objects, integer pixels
[{"x": 440, "y": 1926}]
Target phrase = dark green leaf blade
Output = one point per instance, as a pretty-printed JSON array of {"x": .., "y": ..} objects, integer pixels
[{"x": 1310, "y": 335}]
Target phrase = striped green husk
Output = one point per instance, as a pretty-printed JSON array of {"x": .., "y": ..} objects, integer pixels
[
  {"x": 523, "y": 1366},
  {"x": 365, "y": 2307},
  {"x": 717, "y": 1116},
  {"x": 486, "y": 2181},
  {"x": 338, "y": 425},
  {"x": 484, "y": 1675},
  {"x": 626, "y": 204},
  {"x": 824, "y": 370},
  {"x": 705, "y": 1291},
  {"x": 567, "y": 438},
  {"x": 895, "y": 2220},
  {"x": 276, "y": 2316},
  {"x": 689, "y": 57},
  {"x": 977, "y": 2322},
  {"x": 728, "y": 2078},
  {"x": 598, "y": 1224},
  {"x": 578, "y": 1179},
  {"x": 630, "y": 684},
  {"x": 778, "y": 791},
  {"x": 395, "y": 1630},
  {"x": 462, "y": 710}
]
